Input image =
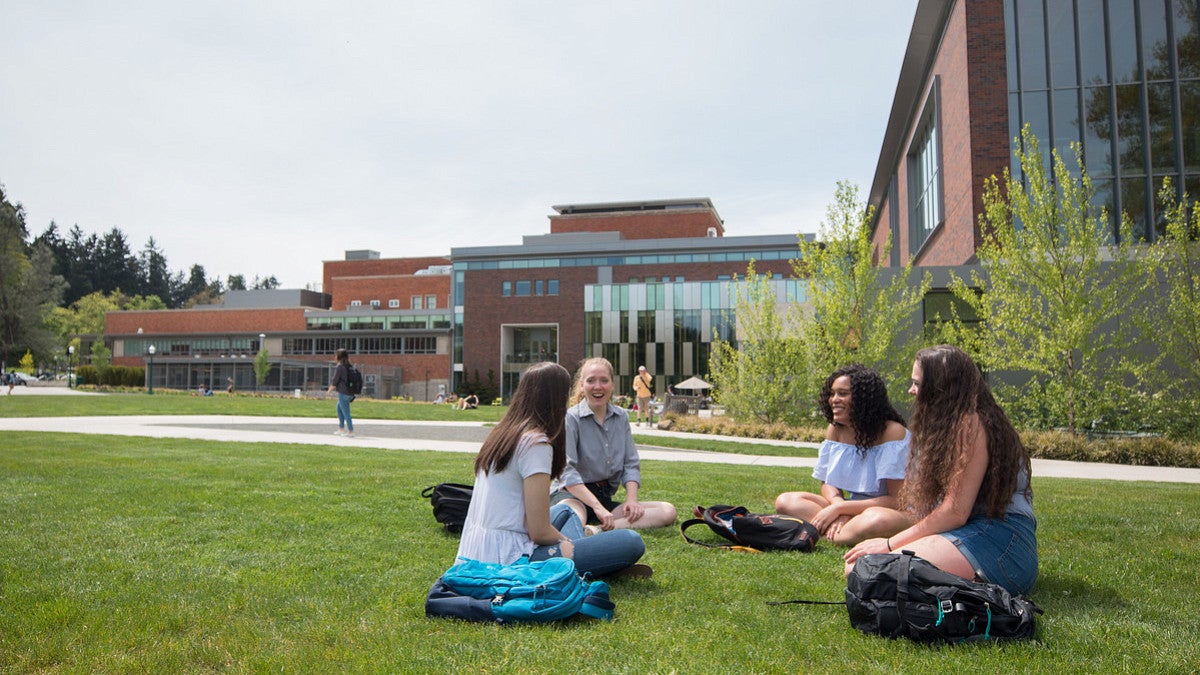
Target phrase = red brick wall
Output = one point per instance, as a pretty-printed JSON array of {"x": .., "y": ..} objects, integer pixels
[
  {"x": 970, "y": 63},
  {"x": 384, "y": 288},
  {"x": 641, "y": 225},
  {"x": 168, "y": 321},
  {"x": 335, "y": 269}
]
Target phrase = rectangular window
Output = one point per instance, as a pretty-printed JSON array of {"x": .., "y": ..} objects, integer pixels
[
  {"x": 356, "y": 303},
  {"x": 523, "y": 289},
  {"x": 375, "y": 304},
  {"x": 393, "y": 303},
  {"x": 552, "y": 287},
  {"x": 539, "y": 287},
  {"x": 415, "y": 302},
  {"x": 924, "y": 177},
  {"x": 506, "y": 289},
  {"x": 431, "y": 302}
]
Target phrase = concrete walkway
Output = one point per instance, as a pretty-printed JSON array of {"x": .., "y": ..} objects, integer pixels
[{"x": 465, "y": 437}]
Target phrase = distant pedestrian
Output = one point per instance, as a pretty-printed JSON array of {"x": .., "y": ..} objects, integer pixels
[
  {"x": 229, "y": 381},
  {"x": 341, "y": 384},
  {"x": 643, "y": 389}
]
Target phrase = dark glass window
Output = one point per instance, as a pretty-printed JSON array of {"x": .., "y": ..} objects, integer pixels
[
  {"x": 1133, "y": 203},
  {"x": 1102, "y": 200},
  {"x": 539, "y": 287},
  {"x": 924, "y": 180},
  {"x": 1122, "y": 36},
  {"x": 1010, "y": 45},
  {"x": 1130, "y": 147},
  {"x": 1060, "y": 16},
  {"x": 1155, "y": 57},
  {"x": 1066, "y": 124},
  {"x": 552, "y": 287},
  {"x": 1031, "y": 33},
  {"x": 1092, "y": 60},
  {"x": 523, "y": 289},
  {"x": 1097, "y": 143},
  {"x": 1187, "y": 37},
  {"x": 1189, "y": 97},
  {"x": 1162, "y": 126},
  {"x": 1035, "y": 107}
]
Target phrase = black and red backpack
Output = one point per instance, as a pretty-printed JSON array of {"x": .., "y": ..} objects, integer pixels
[{"x": 753, "y": 531}]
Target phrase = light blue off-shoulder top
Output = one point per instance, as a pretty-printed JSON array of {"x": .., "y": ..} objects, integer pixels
[{"x": 862, "y": 475}]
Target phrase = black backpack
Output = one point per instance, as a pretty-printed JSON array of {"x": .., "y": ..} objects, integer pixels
[
  {"x": 450, "y": 503},
  {"x": 354, "y": 381},
  {"x": 901, "y": 595},
  {"x": 753, "y": 531}
]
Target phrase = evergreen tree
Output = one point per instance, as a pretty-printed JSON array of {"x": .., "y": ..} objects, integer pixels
[{"x": 156, "y": 278}]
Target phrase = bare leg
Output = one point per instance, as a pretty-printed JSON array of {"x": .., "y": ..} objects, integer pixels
[
  {"x": 657, "y": 514},
  {"x": 804, "y": 505},
  {"x": 874, "y": 522},
  {"x": 940, "y": 553}
]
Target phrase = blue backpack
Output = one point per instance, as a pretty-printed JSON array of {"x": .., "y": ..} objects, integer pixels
[{"x": 547, "y": 590}]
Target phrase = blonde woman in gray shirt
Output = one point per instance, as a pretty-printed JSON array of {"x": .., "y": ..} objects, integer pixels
[{"x": 602, "y": 458}]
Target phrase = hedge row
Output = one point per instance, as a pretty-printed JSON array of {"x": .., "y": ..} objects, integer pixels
[
  {"x": 1137, "y": 450},
  {"x": 115, "y": 376}
]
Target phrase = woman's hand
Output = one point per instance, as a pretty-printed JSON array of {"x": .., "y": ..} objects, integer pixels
[
  {"x": 877, "y": 545},
  {"x": 826, "y": 517},
  {"x": 634, "y": 511},
  {"x": 605, "y": 517},
  {"x": 835, "y": 528}
]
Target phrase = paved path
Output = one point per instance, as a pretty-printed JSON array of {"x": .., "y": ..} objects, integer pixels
[{"x": 465, "y": 437}]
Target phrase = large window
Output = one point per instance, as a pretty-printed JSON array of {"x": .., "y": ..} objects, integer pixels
[{"x": 924, "y": 177}]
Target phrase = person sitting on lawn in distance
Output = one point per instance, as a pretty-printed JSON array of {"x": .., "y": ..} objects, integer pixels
[
  {"x": 860, "y": 465},
  {"x": 510, "y": 514},
  {"x": 968, "y": 479},
  {"x": 601, "y": 457}
]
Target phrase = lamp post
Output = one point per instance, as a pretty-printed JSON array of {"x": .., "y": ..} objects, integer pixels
[
  {"x": 150, "y": 373},
  {"x": 70, "y": 363}
]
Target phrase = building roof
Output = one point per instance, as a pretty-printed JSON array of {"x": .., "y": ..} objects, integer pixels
[{"x": 644, "y": 205}]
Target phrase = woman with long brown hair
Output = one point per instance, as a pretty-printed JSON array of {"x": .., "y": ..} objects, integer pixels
[
  {"x": 510, "y": 515},
  {"x": 968, "y": 479}
]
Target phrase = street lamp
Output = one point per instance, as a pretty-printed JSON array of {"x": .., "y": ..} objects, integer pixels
[
  {"x": 70, "y": 363},
  {"x": 150, "y": 373}
]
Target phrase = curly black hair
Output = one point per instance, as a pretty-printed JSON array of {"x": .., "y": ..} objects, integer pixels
[{"x": 870, "y": 408}]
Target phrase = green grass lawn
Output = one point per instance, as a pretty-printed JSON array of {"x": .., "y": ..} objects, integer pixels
[{"x": 148, "y": 555}]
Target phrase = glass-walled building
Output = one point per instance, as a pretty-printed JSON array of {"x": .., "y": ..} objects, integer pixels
[{"x": 1119, "y": 77}]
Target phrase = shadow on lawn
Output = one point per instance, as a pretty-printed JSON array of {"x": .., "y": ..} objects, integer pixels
[{"x": 1054, "y": 589}]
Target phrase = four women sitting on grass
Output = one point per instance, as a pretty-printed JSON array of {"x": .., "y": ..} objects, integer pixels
[{"x": 955, "y": 490}]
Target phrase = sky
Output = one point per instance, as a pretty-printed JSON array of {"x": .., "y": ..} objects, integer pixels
[{"x": 262, "y": 138}]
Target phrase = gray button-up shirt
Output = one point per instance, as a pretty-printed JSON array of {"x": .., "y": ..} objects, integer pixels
[{"x": 596, "y": 453}]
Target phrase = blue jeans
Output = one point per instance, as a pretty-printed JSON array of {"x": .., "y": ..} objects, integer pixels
[
  {"x": 600, "y": 554},
  {"x": 343, "y": 412}
]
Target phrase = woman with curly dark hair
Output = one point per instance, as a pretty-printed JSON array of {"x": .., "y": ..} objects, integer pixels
[
  {"x": 860, "y": 465},
  {"x": 968, "y": 481}
]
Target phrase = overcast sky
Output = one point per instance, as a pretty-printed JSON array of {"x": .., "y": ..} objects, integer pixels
[{"x": 262, "y": 138}]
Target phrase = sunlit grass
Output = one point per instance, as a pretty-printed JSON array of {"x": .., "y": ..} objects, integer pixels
[{"x": 146, "y": 555}]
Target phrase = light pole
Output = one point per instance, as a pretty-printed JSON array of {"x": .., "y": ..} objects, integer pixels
[
  {"x": 150, "y": 373},
  {"x": 70, "y": 363}
]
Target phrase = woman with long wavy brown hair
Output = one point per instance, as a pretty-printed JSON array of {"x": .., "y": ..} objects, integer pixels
[{"x": 968, "y": 479}]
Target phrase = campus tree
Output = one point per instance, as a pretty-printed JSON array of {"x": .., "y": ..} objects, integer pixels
[
  {"x": 1053, "y": 291},
  {"x": 29, "y": 289},
  {"x": 1175, "y": 321},
  {"x": 857, "y": 311},
  {"x": 764, "y": 375},
  {"x": 262, "y": 366}
]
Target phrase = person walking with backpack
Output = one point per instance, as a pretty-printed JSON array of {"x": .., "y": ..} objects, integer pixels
[
  {"x": 510, "y": 516},
  {"x": 341, "y": 384},
  {"x": 968, "y": 479}
]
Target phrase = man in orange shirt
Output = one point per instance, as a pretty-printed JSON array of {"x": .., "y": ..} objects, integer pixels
[{"x": 643, "y": 389}]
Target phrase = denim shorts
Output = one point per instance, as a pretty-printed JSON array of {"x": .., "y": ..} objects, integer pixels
[{"x": 1002, "y": 551}]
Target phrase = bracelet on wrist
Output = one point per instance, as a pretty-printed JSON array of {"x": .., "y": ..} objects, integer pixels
[{"x": 889, "y": 543}]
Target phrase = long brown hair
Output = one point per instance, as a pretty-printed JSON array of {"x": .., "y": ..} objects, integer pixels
[
  {"x": 538, "y": 405},
  {"x": 951, "y": 389}
]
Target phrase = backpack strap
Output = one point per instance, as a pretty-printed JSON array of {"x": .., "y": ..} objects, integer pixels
[
  {"x": 729, "y": 547},
  {"x": 902, "y": 584},
  {"x": 597, "y": 604}
]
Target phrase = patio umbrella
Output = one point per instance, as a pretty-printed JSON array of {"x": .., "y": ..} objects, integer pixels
[{"x": 692, "y": 383}]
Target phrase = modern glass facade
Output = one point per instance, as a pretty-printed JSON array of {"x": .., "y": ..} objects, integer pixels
[
  {"x": 1120, "y": 77},
  {"x": 667, "y": 327}
]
